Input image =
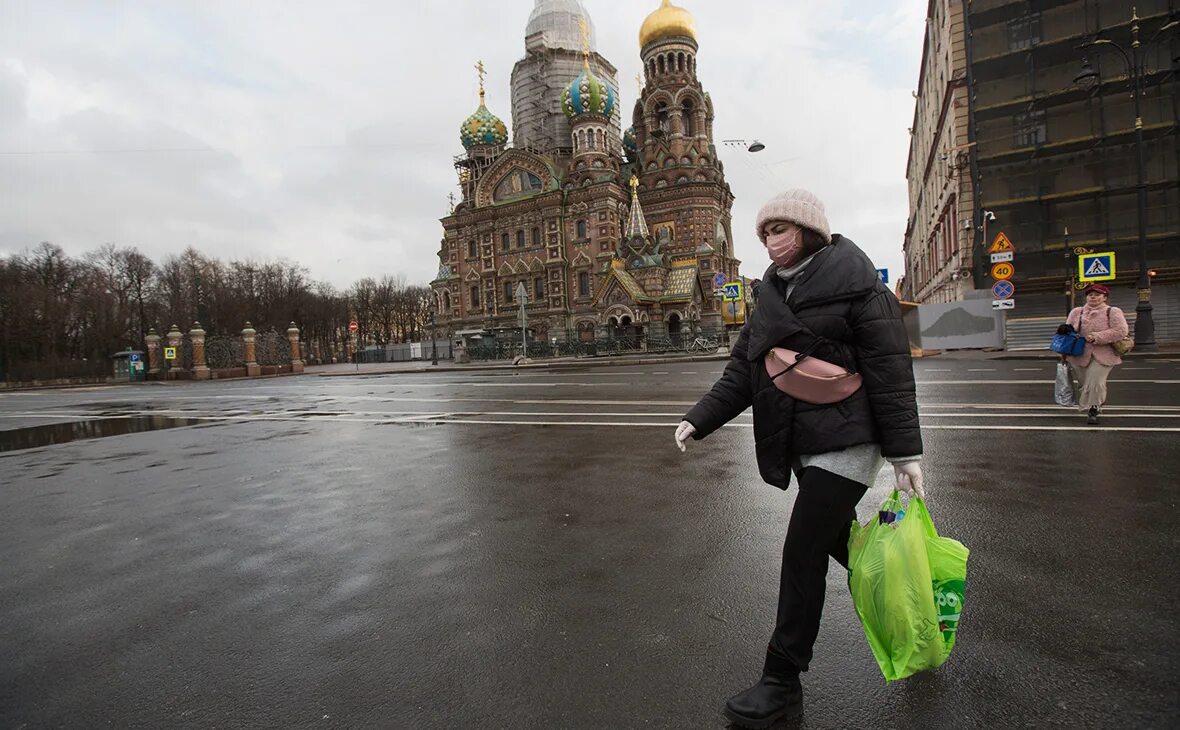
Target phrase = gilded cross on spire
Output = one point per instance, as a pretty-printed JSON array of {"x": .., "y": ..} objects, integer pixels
[
  {"x": 585, "y": 27},
  {"x": 479, "y": 69}
]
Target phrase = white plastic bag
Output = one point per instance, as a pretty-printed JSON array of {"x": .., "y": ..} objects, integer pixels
[{"x": 1063, "y": 391}]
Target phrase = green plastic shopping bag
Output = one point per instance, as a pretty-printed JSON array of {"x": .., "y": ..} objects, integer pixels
[{"x": 907, "y": 585}]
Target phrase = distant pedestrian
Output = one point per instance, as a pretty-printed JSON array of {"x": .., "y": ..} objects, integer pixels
[
  {"x": 821, "y": 304},
  {"x": 1102, "y": 326}
]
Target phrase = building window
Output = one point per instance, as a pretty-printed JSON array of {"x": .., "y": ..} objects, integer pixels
[
  {"x": 475, "y": 297},
  {"x": 520, "y": 239},
  {"x": 538, "y": 288},
  {"x": 581, "y": 229},
  {"x": 508, "y": 292},
  {"x": 447, "y": 301},
  {"x": 471, "y": 252},
  {"x": 1030, "y": 128},
  {"x": 536, "y": 236},
  {"x": 505, "y": 242},
  {"x": 1024, "y": 32},
  {"x": 583, "y": 283}
]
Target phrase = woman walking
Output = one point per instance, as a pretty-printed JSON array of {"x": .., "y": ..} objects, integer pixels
[
  {"x": 821, "y": 296},
  {"x": 1102, "y": 325}
]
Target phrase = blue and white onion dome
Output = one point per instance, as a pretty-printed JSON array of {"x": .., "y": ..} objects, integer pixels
[
  {"x": 588, "y": 94},
  {"x": 630, "y": 144},
  {"x": 483, "y": 128}
]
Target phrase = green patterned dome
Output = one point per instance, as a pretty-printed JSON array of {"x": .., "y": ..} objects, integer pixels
[
  {"x": 630, "y": 144},
  {"x": 483, "y": 128},
  {"x": 588, "y": 94}
]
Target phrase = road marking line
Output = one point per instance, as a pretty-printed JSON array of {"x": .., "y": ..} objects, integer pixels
[
  {"x": 1029, "y": 370},
  {"x": 981, "y": 370},
  {"x": 1034, "y": 382}
]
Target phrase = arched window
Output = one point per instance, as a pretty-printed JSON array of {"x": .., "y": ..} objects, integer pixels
[
  {"x": 505, "y": 242},
  {"x": 690, "y": 120},
  {"x": 475, "y": 297},
  {"x": 536, "y": 236},
  {"x": 520, "y": 239},
  {"x": 447, "y": 302},
  {"x": 662, "y": 127},
  {"x": 601, "y": 141},
  {"x": 660, "y": 64},
  {"x": 581, "y": 229},
  {"x": 471, "y": 252}
]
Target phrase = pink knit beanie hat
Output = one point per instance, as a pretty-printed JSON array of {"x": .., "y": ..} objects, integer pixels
[{"x": 797, "y": 206}]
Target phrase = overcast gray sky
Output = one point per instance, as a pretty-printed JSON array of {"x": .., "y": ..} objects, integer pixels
[{"x": 323, "y": 132}]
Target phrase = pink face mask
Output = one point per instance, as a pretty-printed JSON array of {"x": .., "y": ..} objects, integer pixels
[{"x": 785, "y": 248}]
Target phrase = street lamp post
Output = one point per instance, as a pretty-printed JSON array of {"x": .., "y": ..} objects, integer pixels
[
  {"x": 1136, "y": 70},
  {"x": 433, "y": 341}
]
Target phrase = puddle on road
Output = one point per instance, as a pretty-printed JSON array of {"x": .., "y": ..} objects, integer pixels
[{"x": 60, "y": 433}]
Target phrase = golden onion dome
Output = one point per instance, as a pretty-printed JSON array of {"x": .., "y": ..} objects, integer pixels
[{"x": 667, "y": 21}]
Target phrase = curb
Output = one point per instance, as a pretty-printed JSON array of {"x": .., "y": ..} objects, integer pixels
[{"x": 557, "y": 365}]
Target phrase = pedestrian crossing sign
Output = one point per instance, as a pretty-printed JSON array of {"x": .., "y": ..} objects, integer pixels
[{"x": 1096, "y": 266}]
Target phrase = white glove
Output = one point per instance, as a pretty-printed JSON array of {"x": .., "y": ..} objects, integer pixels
[
  {"x": 683, "y": 433},
  {"x": 909, "y": 478}
]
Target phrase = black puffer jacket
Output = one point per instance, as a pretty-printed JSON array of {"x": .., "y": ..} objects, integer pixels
[{"x": 839, "y": 298}]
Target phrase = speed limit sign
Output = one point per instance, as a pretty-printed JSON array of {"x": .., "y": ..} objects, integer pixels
[{"x": 1003, "y": 271}]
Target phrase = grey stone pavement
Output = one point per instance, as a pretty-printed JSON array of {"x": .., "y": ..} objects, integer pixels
[{"x": 527, "y": 548}]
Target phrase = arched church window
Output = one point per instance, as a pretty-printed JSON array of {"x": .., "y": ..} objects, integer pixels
[
  {"x": 581, "y": 229},
  {"x": 660, "y": 64},
  {"x": 662, "y": 123},
  {"x": 447, "y": 301},
  {"x": 690, "y": 118}
]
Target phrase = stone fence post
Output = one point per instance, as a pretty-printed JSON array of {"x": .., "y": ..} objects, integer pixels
[
  {"x": 153, "y": 351},
  {"x": 293, "y": 338},
  {"x": 175, "y": 339},
  {"x": 250, "y": 351},
  {"x": 200, "y": 369}
]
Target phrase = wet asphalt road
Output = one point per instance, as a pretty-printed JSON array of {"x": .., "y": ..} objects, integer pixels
[{"x": 489, "y": 549}]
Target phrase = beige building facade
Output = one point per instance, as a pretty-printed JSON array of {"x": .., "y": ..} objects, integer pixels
[{"x": 1006, "y": 137}]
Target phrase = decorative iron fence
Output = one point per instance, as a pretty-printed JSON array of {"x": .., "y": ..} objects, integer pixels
[
  {"x": 224, "y": 352},
  {"x": 272, "y": 348}
]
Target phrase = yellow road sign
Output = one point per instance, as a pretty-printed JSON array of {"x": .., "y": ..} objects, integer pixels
[
  {"x": 169, "y": 353},
  {"x": 1003, "y": 271},
  {"x": 1001, "y": 244}
]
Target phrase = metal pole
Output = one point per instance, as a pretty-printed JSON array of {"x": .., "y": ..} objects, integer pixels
[
  {"x": 524, "y": 327},
  {"x": 1144, "y": 322},
  {"x": 433, "y": 341}
]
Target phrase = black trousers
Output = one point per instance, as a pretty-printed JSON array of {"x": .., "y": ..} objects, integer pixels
[{"x": 819, "y": 528}]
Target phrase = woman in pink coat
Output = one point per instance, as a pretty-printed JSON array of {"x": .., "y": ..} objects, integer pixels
[{"x": 1102, "y": 325}]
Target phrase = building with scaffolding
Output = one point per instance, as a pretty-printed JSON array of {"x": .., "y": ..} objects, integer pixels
[
  {"x": 1004, "y": 140},
  {"x": 610, "y": 233}
]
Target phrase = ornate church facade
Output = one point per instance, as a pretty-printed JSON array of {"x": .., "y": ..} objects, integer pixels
[{"x": 608, "y": 233}]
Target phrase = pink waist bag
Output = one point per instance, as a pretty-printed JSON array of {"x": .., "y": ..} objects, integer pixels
[{"x": 808, "y": 378}]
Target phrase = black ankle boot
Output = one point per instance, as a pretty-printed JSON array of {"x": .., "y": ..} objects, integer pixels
[
  {"x": 1092, "y": 417},
  {"x": 773, "y": 698}
]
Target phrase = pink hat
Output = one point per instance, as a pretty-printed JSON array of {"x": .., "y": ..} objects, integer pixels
[{"x": 797, "y": 206}]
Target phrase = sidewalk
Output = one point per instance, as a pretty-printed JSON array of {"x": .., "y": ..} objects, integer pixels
[
  {"x": 1169, "y": 351},
  {"x": 345, "y": 369}
]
